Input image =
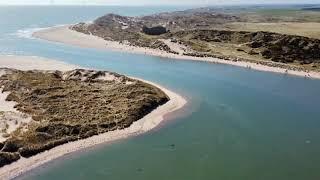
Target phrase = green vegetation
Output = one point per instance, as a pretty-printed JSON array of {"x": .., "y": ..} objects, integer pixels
[
  {"x": 67, "y": 106},
  {"x": 288, "y": 35}
]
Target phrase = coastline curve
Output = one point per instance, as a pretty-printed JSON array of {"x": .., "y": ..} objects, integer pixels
[
  {"x": 143, "y": 125},
  {"x": 63, "y": 34}
]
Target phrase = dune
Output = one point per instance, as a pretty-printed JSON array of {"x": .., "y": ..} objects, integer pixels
[
  {"x": 62, "y": 34},
  {"x": 145, "y": 124}
]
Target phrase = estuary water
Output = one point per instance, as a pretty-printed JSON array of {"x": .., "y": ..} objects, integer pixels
[{"x": 240, "y": 124}]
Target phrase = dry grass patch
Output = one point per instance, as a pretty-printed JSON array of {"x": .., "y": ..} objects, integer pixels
[{"x": 311, "y": 30}]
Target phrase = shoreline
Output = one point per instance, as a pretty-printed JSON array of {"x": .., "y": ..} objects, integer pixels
[
  {"x": 143, "y": 125},
  {"x": 62, "y": 34}
]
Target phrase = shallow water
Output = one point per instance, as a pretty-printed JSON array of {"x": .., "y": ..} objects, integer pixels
[{"x": 241, "y": 124}]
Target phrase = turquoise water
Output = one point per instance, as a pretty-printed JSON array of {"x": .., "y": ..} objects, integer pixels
[{"x": 240, "y": 124}]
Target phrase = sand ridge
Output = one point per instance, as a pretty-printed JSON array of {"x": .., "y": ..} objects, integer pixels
[{"x": 145, "y": 124}]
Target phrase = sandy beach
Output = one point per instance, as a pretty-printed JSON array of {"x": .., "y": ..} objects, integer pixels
[
  {"x": 62, "y": 34},
  {"x": 143, "y": 125}
]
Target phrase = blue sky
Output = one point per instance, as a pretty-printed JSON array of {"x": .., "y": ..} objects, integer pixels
[{"x": 154, "y": 2}]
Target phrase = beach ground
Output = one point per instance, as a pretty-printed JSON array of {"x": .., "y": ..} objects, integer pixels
[{"x": 62, "y": 34}]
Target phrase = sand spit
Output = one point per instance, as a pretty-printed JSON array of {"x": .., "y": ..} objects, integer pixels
[
  {"x": 63, "y": 34},
  {"x": 147, "y": 123},
  {"x": 33, "y": 63}
]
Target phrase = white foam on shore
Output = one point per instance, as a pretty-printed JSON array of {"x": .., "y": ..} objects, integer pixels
[
  {"x": 63, "y": 34},
  {"x": 145, "y": 124},
  {"x": 28, "y": 32}
]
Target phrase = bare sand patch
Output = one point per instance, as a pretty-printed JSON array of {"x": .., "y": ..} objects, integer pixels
[{"x": 33, "y": 63}]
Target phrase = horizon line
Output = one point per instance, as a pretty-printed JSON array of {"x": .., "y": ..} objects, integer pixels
[{"x": 141, "y": 5}]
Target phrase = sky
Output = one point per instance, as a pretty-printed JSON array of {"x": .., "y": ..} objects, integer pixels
[{"x": 152, "y": 2}]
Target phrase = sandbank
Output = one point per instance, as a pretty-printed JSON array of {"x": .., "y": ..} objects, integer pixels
[
  {"x": 63, "y": 34},
  {"x": 145, "y": 124}
]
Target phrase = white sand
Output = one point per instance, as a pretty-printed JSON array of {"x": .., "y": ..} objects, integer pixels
[
  {"x": 33, "y": 63},
  {"x": 179, "y": 48},
  {"x": 6, "y": 105},
  {"x": 11, "y": 121},
  {"x": 145, "y": 124},
  {"x": 63, "y": 34},
  {"x": 10, "y": 118}
]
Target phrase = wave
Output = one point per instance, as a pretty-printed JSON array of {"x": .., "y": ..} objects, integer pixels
[{"x": 27, "y": 33}]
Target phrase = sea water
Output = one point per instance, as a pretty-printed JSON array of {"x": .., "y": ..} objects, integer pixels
[{"x": 240, "y": 123}]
